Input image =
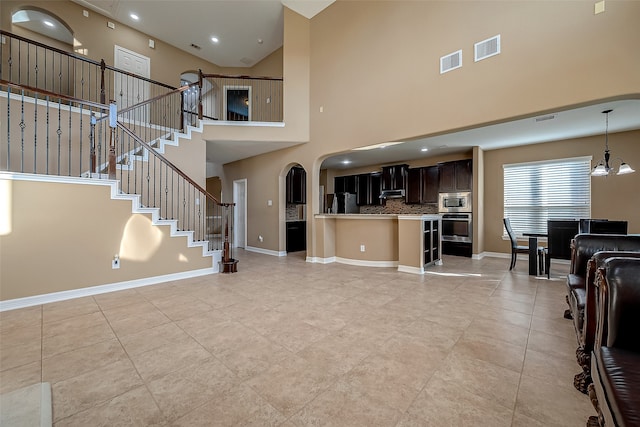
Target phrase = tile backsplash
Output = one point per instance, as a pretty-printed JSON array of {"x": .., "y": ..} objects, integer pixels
[{"x": 397, "y": 206}]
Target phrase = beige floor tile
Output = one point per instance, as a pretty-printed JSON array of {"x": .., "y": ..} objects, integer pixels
[
  {"x": 552, "y": 405},
  {"x": 554, "y": 370},
  {"x": 92, "y": 388},
  {"x": 291, "y": 384},
  {"x": 448, "y": 345},
  {"x": 446, "y": 403},
  {"x": 133, "y": 408},
  {"x": 160, "y": 361},
  {"x": 344, "y": 405},
  {"x": 70, "y": 308},
  {"x": 81, "y": 360},
  {"x": 21, "y": 376},
  {"x": 16, "y": 319},
  {"x": 186, "y": 389},
  {"x": 238, "y": 406},
  {"x": 491, "y": 350},
  {"x": 74, "y": 338},
  {"x": 481, "y": 378},
  {"x": 387, "y": 380},
  {"x": 19, "y": 355}
]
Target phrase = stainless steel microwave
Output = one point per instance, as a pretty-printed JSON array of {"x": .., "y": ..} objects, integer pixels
[{"x": 454, "y": 202}]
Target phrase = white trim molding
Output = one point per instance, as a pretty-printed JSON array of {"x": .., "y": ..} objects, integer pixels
[
  {"x": 318, "y": 260},
  {"x": 265, "y": 251},
  {"x": 365, "y": 263},
  {"x": 100, "y": 289}
]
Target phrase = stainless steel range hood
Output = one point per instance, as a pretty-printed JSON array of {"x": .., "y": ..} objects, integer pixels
[{"x": 392, "y": 194}]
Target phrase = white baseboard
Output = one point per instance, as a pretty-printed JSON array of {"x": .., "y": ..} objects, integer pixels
[
  {"x": 265, "y": 251},
  {"x": 408, "y": 269},
  {"x": 100, "y": 289},
  {"x": 364, "y": 263},
  {"x": 318, "y": 260}
]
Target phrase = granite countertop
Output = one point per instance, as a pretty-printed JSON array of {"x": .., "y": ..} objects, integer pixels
[{"x": 377, "y": 216}]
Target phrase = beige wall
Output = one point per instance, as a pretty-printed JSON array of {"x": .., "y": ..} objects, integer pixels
[
  {"x": 64, "y": 236},
  {"x": 374, "y": 71},
  {"x": 410, "y": 233},
  {"x": 381, "y": 245},
  {"x": 613, "y": 197}
]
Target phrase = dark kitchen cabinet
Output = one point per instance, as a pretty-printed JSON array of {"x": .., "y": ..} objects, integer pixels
[
  {"x": 363, "y": 195},
  {"x": 430, "y": 183},
  {"x": 296, "y": 236},
  {"x": 393, "y": 177},
  {"x": 375, "y": 188},
  {"x": 422, "y": 185},
  {"x": 345, "y": 184},
  {"x": 297, "y": 186},
  {"x": 455, "y": 176},
  {"x": 413, "y": 192}
]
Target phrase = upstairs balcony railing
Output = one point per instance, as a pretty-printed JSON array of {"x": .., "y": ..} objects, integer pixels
[{"x": 236, "y": 98}]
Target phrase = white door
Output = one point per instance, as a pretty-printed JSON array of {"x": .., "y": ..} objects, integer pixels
[
  {"x": 240, "y": 213},
  {"x": 128, "y": 90}
]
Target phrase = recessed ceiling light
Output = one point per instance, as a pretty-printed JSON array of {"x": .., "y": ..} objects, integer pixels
[
  {"x": 48, "y": 23},
  {"x": 346, "y": 162},
  {"x": 134, "y": 16},
  {"x": 260, "y": 41},
  {"x": 424, "y": 149},
  {"x": 215, "y": 39}
]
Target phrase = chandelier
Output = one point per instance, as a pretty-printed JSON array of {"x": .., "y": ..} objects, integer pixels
[{"x": 603, "y": 168}]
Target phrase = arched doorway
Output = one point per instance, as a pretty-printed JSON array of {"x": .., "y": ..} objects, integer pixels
[{"x": 296, "y": 209}]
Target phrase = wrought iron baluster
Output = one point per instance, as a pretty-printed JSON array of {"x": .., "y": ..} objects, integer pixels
[{"x": 22, "y": 126}]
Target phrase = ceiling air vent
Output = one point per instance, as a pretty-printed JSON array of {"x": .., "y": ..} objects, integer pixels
[
  {"x": 451, "y": 62},
  {"x": 487, "y": 48}
]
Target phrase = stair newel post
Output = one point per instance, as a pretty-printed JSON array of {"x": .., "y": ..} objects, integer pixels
[
  {"x": 103, "y": 96},
  {"x": 92, "y": 145},
  {"x": 200, "y": 94},
  {"x": 113, "y": 120},
  {"x": 229, "y": 265}
]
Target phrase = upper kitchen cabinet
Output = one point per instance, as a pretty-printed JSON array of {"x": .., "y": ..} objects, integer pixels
[
  {"x": 345, "y": 184},
  {"x": 393, "y": 177},
  {"x": 368, "y": 186},
  {"x": 297, "y": 186},
  {"x": 455, "y": 176},
  {"x": 422, "y": 185}
]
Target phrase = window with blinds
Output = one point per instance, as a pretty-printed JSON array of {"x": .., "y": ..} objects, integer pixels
[{"x": 538, "y": 191}]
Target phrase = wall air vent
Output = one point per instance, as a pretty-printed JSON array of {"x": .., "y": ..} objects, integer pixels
[
  {"x": 451, "y": 62},
  {"x": 487, "y": 48}
]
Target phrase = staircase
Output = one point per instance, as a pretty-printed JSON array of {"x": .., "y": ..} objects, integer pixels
[{"x": 55, "y": 134}]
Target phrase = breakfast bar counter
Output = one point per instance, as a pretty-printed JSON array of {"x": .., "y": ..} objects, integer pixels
[{"x": 378, "y": 240}]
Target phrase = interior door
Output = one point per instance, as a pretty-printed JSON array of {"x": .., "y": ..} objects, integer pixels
[
  {"x": 128, "y": 90},
  {"x": 240, "y": 213}
]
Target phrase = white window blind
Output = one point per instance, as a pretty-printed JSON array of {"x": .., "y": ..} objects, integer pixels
[{"x": 539, "y": 191}]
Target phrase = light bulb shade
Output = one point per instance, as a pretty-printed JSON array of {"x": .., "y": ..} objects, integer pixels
[
  {"x": 600, "y": 170},
  {"x": 625, "y": 169}
]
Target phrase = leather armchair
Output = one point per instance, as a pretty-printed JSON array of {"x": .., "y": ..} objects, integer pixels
[
  {"x": 615, "y": 392},
  {"x": 585, "y": 325},
  {"x": 583, "y": 248}
]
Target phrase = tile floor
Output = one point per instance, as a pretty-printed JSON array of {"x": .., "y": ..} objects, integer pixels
[{"x": 285, "y": 342}]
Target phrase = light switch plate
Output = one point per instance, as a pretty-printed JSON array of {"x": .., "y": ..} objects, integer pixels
[{"x": 598, "y": 8}]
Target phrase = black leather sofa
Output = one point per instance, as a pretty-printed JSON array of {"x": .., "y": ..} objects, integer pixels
[
  {"x": 583, "y": 248},
  {"x": 615, "y": 392}
]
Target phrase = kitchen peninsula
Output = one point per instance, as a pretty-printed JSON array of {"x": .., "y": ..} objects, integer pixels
[{"x": 408, "y": 242}]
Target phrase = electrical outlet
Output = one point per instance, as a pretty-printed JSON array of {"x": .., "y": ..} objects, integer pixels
[
  {"x": 111, "y": 25},
  {"x": 598, "y": 7},
  {"x": 361, "y": 248},
  {"x": 261, "y": 238},
  {"x": 115, "y": 262}
]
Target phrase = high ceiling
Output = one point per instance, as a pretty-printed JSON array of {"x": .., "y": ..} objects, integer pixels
[{"x": 247, "y": 30}]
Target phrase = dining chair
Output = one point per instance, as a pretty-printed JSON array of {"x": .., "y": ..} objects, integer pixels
[
  {"x": 519, "y": 249},
  {"x": 559, "y": 232}
]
